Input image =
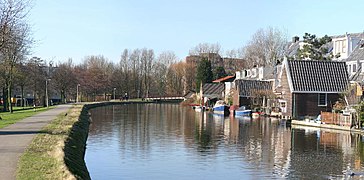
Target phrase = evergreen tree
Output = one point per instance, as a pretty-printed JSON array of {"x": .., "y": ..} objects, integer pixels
[
  {"x": 204, "y": 73},
  {"x": 219, "y": 72},
  {"x": 315, "y": 48}
]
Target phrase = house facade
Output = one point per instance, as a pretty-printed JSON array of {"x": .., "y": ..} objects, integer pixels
[
  {"x": 254, "y": 87},
  {"x": 344, "y": 45},
  {"x": 355, "y": 62},
  {"x": 306, "y": 88},
  {"x": 252, "y": 92}
]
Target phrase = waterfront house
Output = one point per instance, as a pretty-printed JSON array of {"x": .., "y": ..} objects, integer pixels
[
  {"x": 211, "y": 92},
  {"x": 253, "y": 87},
  {"x": 307, "y": 87},
  {"x": 252, "y": 92},
  {"x": 228, "y": 81}
]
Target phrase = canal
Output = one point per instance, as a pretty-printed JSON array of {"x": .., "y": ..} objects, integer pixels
[{"x": 167, "y": 141}]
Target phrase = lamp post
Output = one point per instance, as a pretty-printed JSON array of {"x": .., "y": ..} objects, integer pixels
[
  {"x": 46, "y": 93},
  {"x": 114, "y": 93},
  {"x": 78, "y": 85}
]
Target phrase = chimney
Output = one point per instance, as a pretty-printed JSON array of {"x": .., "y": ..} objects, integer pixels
[{"x": 295, "y": 39}]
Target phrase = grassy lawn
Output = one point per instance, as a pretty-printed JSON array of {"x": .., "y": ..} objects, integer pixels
[
  {"x": 44, "y": 157},
  {"x": 19, "y": 114}
]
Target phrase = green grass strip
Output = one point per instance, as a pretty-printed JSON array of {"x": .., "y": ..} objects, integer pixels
[
  {"x": 44, "y": 157},
  {"x": 8, "y": 118}
]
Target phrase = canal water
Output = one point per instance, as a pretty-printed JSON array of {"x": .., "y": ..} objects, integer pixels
[{"x": 167, "y": 141}]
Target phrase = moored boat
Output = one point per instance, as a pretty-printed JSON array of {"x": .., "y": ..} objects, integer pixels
[
  {"x": 221, "y": 108},
  {"x": 242, "y": 111}
]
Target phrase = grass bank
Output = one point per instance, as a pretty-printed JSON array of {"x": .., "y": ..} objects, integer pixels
[
  {"x": 50, "y": 152},
  {"x": 19, "y": 114}
]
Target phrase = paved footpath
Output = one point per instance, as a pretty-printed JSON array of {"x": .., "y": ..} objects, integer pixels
[{"x": 15, "y": 138}]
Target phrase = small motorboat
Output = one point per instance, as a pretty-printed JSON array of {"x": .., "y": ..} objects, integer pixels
[
  {"x": 221, "y": 108},
  {"x": 242, "y": 111}
]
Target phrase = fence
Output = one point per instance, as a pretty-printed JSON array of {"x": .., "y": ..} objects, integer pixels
[{"x": 336, "y": 118}]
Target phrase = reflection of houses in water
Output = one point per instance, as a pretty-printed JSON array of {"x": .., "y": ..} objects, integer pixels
[{"x": 339, "y": 149}]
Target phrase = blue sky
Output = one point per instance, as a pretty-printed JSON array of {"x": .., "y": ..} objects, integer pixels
[{"x": 77, "y": 28}]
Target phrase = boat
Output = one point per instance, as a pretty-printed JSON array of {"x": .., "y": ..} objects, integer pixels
[
  {"x": 255, "y": 115},
  {"x": 221, "y": 108},
  {"x": 242, "y": 111}
]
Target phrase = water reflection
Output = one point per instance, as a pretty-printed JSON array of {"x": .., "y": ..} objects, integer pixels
[{"x": 164, "y": 141}]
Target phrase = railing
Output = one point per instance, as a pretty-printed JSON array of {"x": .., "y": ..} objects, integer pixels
[{"x": 164, "y": 98}]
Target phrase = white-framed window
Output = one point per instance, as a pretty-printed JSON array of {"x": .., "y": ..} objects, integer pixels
[
  {"x": 354, "y": 67},
  {"x": 343, "y": 47},
  {"x": 322, "y": 99},
  {"x": 349, "y": 68},
  {"x": 254, "y": 72}
]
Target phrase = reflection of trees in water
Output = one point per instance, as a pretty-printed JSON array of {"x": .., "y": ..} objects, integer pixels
[{"x": 265, "y": 144}]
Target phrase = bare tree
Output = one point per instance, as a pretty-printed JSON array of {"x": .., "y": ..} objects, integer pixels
[
  {"x": 265, "y": 47},
  {"x": 36, "y": 76},
  {"x": 205, "y": 48},
  {"x": 164, "y": 61},
  {"x": 64, "y": 79},
  {"x": 14, "y": 40}
]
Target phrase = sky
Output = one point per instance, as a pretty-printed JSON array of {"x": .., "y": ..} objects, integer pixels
[{"x": 75, "y": 29}]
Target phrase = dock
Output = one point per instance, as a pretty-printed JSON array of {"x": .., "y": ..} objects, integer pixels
[{"x": 326, "y": 126}]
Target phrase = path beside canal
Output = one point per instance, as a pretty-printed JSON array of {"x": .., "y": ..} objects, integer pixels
[{"x": 15, "y": 138}]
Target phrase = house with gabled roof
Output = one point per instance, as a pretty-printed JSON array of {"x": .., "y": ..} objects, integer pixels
[
  {"x": 305, "y": 88},
  {"x": 355, "y": 62},
  {"x": 247, "y": 91},
  {"x": 340, "y": 47}
]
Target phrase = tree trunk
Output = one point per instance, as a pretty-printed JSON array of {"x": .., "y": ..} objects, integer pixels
[
  {"x": 22, "y": 96},
  {"x": 5, "y": 100},
  {"x": 10, "y": 105}
]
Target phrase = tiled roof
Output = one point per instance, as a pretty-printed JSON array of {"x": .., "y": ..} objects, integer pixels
[
  {"x": 245, "y": 87},
  {"x": 358, "y": 53},
  {"x": 213, "y": 89},
  {"x": 292, "y": 48},
  {"x": 357, "y": 35},
  {"x": 225, "y": 79},
  {"x": 317, "y": 76}
]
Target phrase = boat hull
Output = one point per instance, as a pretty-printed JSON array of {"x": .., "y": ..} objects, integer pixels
[
  {"x": 243, "y": 113},
  {"x": 221, "y": 110}
]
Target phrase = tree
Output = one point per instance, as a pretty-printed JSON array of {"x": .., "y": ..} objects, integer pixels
[
  {"x": 219, "y": 72},
  {"x": 97, "y": 78},
  {"x": 205, "y": 48},
  {"x": 265, "y": 48},
  {"x": 22, "y": 79},
  {"x": 204, "y": 73},
  {"x": 164, "y": 62},
  {"x": 315, "y": 48},
  {"x": 175, "y": 79},
  {"x": 64, "y": 79},
  {"x": 36, "y": 76},
  {"x": 14, "y": 40}
]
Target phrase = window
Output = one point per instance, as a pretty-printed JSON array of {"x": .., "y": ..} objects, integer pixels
[
  {"x": 343, "y": 46},
  {"x": 322, "y": 99},
  {"x": 254, "y": 72},
  {"x": 349, "y": 68},
  {"x": 354, "y": 67}
]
